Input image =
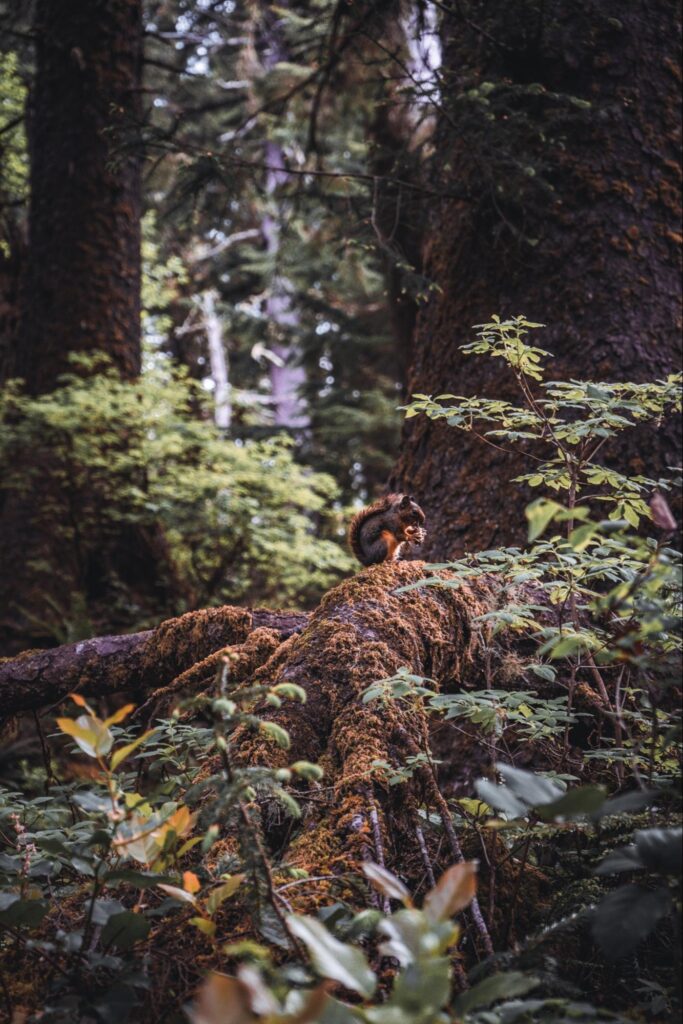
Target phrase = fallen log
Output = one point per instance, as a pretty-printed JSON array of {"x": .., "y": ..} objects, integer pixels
[{"x": 136, "y": 662}]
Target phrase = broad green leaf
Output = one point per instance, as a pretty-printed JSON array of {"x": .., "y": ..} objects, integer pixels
[
  {"x": 508, "y": 985},
  {"x": 331, "y": 958},
  {"x": 540, "y": 514},
  {"x": 661, "y": 849},
  {"x": 124, "y": 930},
  {"x": 580, "y": 538},
  {"x": 16, "y": 912},
  {"x": 223, "y": 892},
  {"x": 627, "y": 916},
  {"x": 577, "y": 803}
]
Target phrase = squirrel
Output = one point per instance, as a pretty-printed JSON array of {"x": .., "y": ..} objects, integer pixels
[{"x": 377, "y": 533}]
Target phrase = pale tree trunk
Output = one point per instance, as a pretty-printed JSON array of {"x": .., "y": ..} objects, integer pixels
[
  {"x": 218, "y": 359},
  {"x": 287, "y": 375}
]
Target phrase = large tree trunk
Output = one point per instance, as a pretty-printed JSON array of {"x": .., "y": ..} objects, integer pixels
[
  {"x": 81, "y": 294},
  {"x": 560, "y": 128},
  {"x": 82, "y": 287}
]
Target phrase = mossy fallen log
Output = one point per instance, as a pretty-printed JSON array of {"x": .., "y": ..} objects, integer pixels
[{"x": 137, "y": 662}]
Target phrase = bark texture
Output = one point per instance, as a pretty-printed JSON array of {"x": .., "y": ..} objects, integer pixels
[
  {"x": 561, "y": 129},
  {"x": 137, "y": 662},
  {"x": 82, "y": 286}
]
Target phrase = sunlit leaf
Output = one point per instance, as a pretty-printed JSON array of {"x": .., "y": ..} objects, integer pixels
[
  {"x": 119, "y": 715},
  {"x": 223, "y": 892},
  {"x": 91, "y": 735},
  {"x": 121, "y": 753}
]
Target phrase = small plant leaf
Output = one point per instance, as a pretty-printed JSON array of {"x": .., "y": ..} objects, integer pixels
[
  {"x": 453, "y": 892},
  {"x": 331, "y": 958},
  {"x": 386, "y": 883}
]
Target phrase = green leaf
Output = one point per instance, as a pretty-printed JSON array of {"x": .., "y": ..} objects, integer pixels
[
  {"x": 625, "y": 858},
  {"x": 277, "y": 733},
  {"x": 627, "y": 802},
  {"x": 124, "y": 930},
  {"x": 507, "y": 985},
  {"x": 539, "y": 514},
  {"x": 204, "y": 925},
  {"x": 331, "y": 958},
  {"x": 577, "y": 803},
  {"x": 627, "y": 916},
  {"x": 122, "y": 753},
  {"x": 16, "y": 912},
  {"x": 569, "y": 644},
  {"x": 580, "y": 538},
  {"x": 223, "y": 892},
  {"x": 534, "y": 789},
  {"x": 140, "y": 879},
  {"x": 544, "y": 672},
  {"x": 404, "y": 931},
  {"x": 661, "y": 849}
]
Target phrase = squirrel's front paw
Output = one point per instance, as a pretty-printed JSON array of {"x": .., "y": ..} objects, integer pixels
[{"x": 415, "y": 534}]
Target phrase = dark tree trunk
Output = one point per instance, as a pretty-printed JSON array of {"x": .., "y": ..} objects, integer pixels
[
  {"x": 561, "y": 132},
  {"x": 80, "y": 294},
  {"x": 82, "y": 287}
]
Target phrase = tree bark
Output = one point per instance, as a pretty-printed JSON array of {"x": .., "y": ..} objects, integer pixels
[
  {"x": 560, "y": 127},
  {"x": 82, "y": 286}
]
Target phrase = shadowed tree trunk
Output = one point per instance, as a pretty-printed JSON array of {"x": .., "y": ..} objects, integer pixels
[
  {"x": 80, "y": 294},
  {"x": 82, "y": 286},
  {"x": 561, "y": 128}
]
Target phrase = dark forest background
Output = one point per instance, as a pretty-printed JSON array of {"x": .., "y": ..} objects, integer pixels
[
  {"x": 237, "y": 240},
  {"x": 302, "y": 209}
]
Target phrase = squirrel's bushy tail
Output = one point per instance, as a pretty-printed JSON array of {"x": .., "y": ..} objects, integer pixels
[{"x": 359, "y": 521}]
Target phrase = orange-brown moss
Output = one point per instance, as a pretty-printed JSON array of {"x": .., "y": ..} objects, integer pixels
[
  {"x": 241, "y": 661},
  {"x": 363, "y": 631}
]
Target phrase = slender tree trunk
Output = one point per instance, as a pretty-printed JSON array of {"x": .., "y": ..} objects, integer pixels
[
  {"x": 287, "y": 375},
  {"x": 218, "y": 360},
  {"x": 560, "y": 135},
  {"x": 82, "y": 287}
]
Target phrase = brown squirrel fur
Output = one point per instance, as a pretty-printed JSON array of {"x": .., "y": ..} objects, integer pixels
[{"x": 377, "y": 533}]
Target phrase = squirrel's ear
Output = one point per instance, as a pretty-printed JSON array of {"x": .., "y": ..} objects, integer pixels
[{"x": 406, "y": 501}]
